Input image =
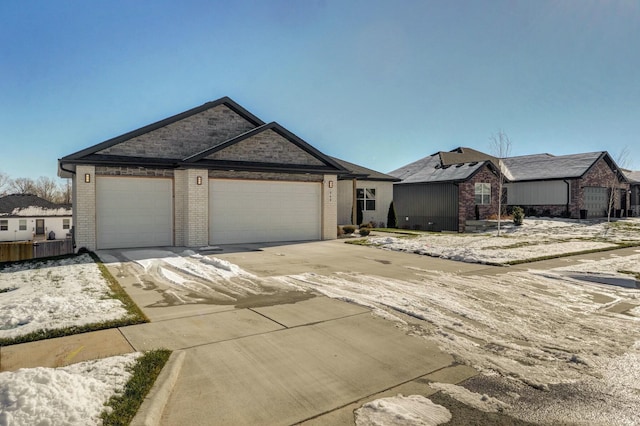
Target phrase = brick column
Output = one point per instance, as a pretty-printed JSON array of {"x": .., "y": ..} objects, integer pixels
[
  {"x": 84, "y": 207},
  {"x": 330, "y": 207},
  {"x": 191, "y": 207}
]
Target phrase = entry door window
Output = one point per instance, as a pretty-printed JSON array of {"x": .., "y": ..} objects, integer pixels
[
  {"x": 366, "y": 198},
  {"x": 39, "y": 226}
]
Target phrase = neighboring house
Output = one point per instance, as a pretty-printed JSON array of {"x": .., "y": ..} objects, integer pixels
[
  {"x": 25, "y": 217},
  {"x": 445, "y": 190},
  {"x": 367, "y": 190},
  {"x": 576, "y": 185},
  {"x": 215, "y": 174},
  {"x": 440, "y": 192},
  {"x": 634, "y": 191}
]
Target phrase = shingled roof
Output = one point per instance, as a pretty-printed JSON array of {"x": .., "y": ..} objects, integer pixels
[
  {"x": 547, "y": 166},
  {"x": 461, "y": 163},
  {"x": 430, "y": 169},
  {"x": 363, "y": 173},
  {"x": 31, "y": 205}
]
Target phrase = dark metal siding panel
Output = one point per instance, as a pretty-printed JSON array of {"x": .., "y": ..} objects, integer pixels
[{"x": 432, "y": 207}]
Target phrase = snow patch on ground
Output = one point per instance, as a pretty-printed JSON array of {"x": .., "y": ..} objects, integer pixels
[
  {"x": 536, "y": 238},
  {"x": 54, "y": 294},
  {"x": 402, "y": 411},
  {"x": 71, "y": 395},
  {"x": 484, "y": 403}
]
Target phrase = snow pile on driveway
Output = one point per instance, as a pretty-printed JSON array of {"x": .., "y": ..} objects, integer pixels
[
  {"x": 72, "y": 395},
  {"x": 188, "y": 277},
  {"x": 402, "y": 410},
  {"x": 534, "y": 239},
  {"x": 54, "y": 294}
]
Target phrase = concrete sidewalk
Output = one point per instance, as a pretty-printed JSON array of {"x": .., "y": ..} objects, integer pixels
[{"x": 273, "y": 367}]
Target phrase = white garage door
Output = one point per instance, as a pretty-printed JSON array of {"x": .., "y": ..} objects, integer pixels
[
  {"x": 596, "y": 200},
  {"x": 260, "y": 211},
  {"x": 133, "y": 212}
]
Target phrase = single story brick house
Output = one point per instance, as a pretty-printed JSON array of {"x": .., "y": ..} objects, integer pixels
[
  {"x": 215, "y": 174},
  {"x": 27, "y": 217},
  {"x": 443, "y": 191}
]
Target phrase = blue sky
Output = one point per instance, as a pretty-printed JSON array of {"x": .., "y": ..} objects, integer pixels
[{"x": 379, "y": 83}]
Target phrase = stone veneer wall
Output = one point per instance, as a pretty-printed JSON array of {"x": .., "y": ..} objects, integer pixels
[
  {"x": 185, "y": 137},
  {"x": 266, "y": 147},
  {"x": 297, "y": 177},
  {"x": 133, "y": 171}
]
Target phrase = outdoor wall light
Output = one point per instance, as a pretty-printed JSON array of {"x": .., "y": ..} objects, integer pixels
[
  {"x": 87, "y": 177},
  {"x": 199, "y": 180},
  {"x": 330, "y": 184}
]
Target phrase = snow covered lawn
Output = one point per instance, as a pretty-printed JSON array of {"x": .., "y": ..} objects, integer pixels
[
  {"x": 54, "y": 294},
  {"x": 72, "y": 395},
  {"x": 536, "y": 238}
]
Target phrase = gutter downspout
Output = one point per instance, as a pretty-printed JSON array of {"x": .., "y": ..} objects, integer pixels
[
  {"x": 568, "y": 196},
  {"x": 354, "y": 214}
]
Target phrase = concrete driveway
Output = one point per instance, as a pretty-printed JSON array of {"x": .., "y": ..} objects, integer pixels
[{"x": 283, "y": 357}]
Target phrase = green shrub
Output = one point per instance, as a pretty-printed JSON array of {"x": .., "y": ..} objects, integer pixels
[
  {"x": 518, "y": 216},
  {"x": 349, "y": 229},
  {"x": 392, "y": 220},
  {"x": 364, "y": 231}
]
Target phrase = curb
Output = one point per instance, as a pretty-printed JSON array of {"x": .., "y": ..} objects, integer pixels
[{"x": 150, "y": 411}]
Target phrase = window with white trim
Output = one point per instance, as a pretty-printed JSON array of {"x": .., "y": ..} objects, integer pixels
[
  {"x": 483, "y": 193},
  {"x": 366, "y": 198},
  {"x": 22, "y": 225},
  {"x": 4, "y": 225},
  {"x": 66, "y": 223}
]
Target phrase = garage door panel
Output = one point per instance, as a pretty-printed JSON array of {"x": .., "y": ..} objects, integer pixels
[
  {"x": 260, "y": 211},
  {"x": 134, "y": 212}
]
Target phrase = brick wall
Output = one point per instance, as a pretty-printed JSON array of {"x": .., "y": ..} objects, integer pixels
[
  {"x": 467, "y": 197},
  {"x": 267, "y": 147},
  {"x": 185, "y": 137},
  {"x": 191, "y": 208},
  {"x": 330, "y": 207},
  {"x": 84, "y": 208}
]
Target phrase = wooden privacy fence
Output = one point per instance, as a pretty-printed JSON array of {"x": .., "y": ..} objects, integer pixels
[{"x": 11, "y": 252}]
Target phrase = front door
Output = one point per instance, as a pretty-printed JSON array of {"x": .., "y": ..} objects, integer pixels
[{"x": 39, "y": 226}]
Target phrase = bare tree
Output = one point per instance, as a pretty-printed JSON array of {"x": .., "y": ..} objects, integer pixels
[
  {"x": 47, "y": 188},
  {"x": 5, "y": 183},
  {"x": 621, "y": 162},
  {"x": 501, "y": 149},
  {"x": 23, "y": 186}
]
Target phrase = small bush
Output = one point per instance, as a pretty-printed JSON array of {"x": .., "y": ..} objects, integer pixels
[
  {"x": 392, "y": 220},
  {"x": 518, "y": 216},
  {"x": 364, "y": 231},
  {"x": 349, "y": 229}
]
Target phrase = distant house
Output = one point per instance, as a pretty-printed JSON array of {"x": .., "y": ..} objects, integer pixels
[
  {"x": 366, "y": 190},
  {"x": 576, "y": 185},
  {"x": 634, "y": 191},
  {"x": 25, "y": 217},
  {"x": 443, "y": 191}
]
